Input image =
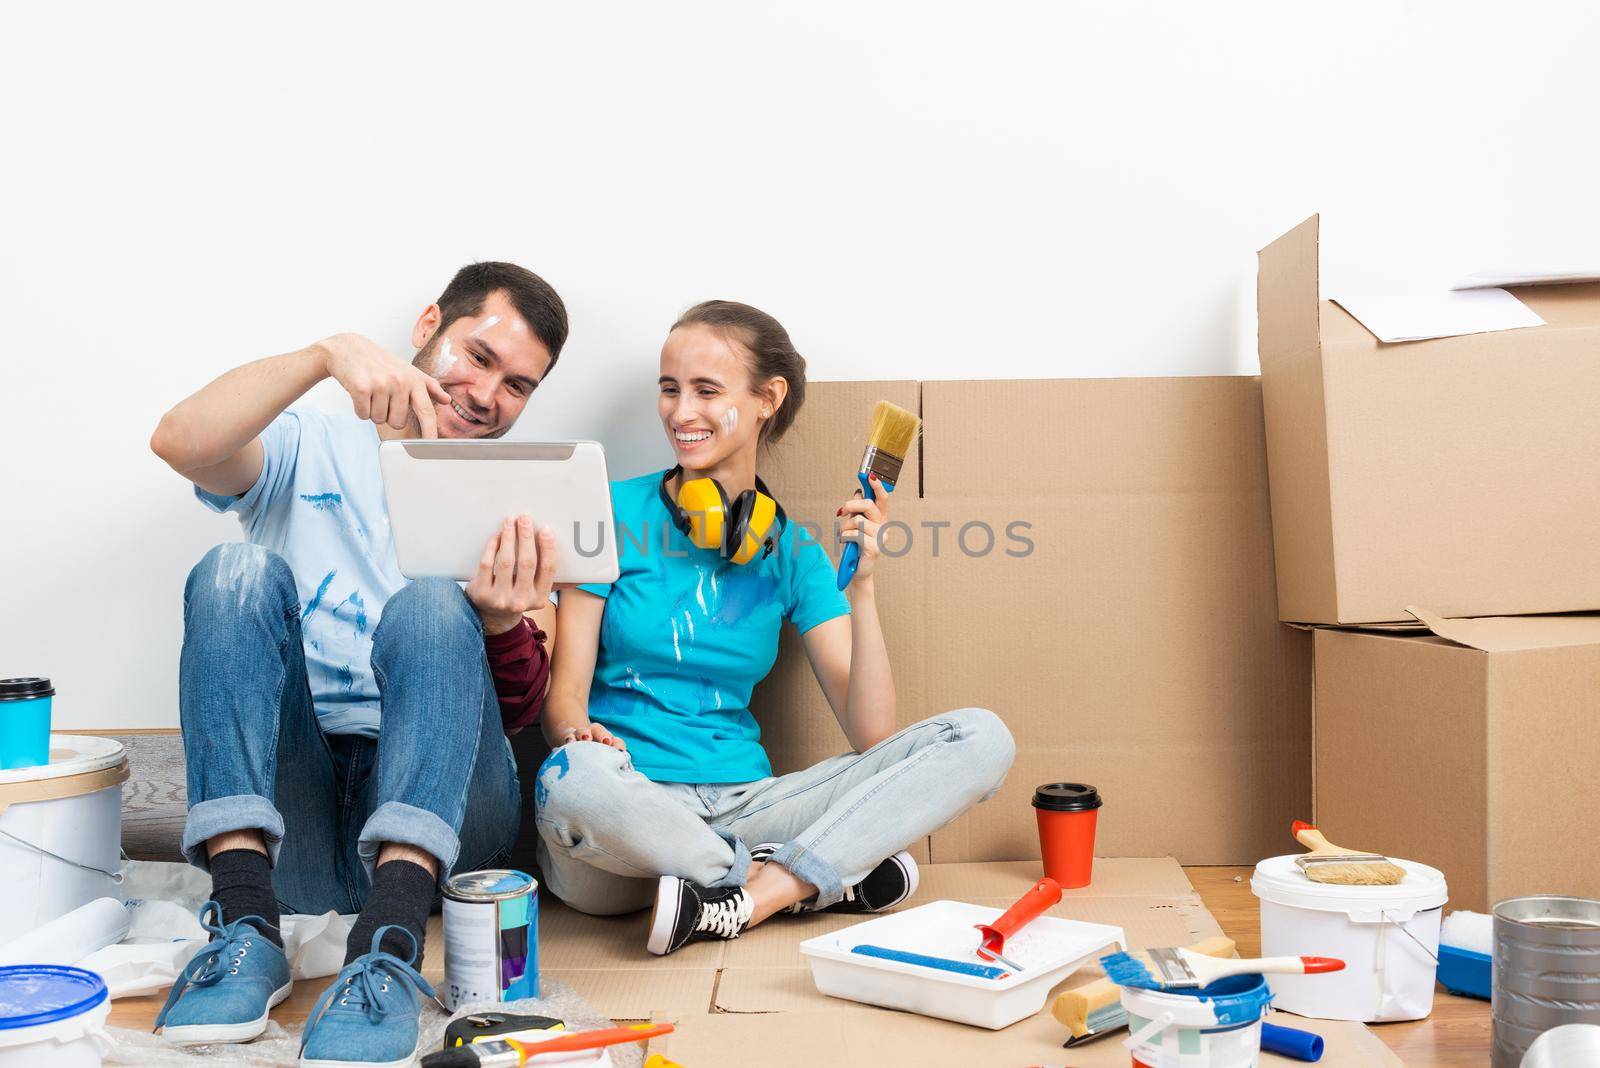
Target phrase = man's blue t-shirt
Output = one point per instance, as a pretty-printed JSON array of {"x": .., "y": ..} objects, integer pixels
[
  {"x": 687, "y": 635},
  {"x": 319, "y": 504}
]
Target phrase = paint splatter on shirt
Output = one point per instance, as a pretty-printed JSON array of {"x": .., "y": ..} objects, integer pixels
[
  {"x": 687, "y": 635},
  {"x": 319, "y": 504}
]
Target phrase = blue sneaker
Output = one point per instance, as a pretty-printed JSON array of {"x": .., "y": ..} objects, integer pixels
[
  {"x": 369, "y": 1017},
  {"x": 227, "y": 989}
]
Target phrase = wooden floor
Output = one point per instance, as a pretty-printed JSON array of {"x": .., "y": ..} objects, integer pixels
[{"x": 1457, "y": 1034}]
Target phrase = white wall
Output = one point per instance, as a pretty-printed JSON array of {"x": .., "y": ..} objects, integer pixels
[{"x": 976, "y": 190}]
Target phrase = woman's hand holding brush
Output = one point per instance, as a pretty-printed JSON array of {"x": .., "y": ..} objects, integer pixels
[{"x": 864, "y": 519}]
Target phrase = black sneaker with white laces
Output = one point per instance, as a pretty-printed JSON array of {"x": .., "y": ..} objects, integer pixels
[
  {"x": 685, "y": 912},
  {"x": 885, "y": 886}
]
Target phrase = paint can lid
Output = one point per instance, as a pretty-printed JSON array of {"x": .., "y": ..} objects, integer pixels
[
  {"x": 493, "y": 884},
  {"x": 1067, "y": 797},
  {"x": 34, "y": 994},
  {"x": 1280, "y": 880},
  {"x": 70, "y": 754},
  {"x": 25, "y": 689}
]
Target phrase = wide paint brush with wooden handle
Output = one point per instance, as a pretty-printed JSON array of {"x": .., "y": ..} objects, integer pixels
[{"x": 893, "y": 431}]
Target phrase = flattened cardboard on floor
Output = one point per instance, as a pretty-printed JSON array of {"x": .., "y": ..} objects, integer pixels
[
  {"x": 1458, "y": 473},
  {"x": 604, "y": 959},
  {"x": 1471, "y": 748},
  {"x": 866, "y": 1036}
]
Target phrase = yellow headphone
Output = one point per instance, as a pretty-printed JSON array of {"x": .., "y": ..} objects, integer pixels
[{"x": 743, "y": 530}]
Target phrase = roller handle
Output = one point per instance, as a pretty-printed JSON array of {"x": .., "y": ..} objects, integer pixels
[
  {"x": 850, "y": 558},
  {"x": 1028, "y": 907},
  {"x": 1291, "y": 1042}
]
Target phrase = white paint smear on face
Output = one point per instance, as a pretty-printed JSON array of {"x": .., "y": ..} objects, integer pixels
[
  {"x": 486, "y": 324},
  {"x": 444, "y": 359},
  {"x": 730, "y": 421}
]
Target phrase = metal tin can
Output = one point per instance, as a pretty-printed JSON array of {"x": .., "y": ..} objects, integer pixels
[{"x": 491, "y": 937}]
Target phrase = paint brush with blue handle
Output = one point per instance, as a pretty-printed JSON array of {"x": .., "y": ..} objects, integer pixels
[{"x": 893, "y": 431}]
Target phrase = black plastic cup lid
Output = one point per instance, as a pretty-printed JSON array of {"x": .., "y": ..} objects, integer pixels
[
  {"x": 25, "y": 689},
  {"x": 1067, "y": 797}
]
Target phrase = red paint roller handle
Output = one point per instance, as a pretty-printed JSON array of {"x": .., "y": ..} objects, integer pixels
[{"x": 1029, "y": 906}]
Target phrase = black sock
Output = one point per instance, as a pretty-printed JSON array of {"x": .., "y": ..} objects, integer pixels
[
  {"x": 241, "y": 882},
  {"x": 402, "y": 894}
]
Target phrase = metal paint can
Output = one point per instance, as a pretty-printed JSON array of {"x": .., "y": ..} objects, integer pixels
[
  {"x": 491, "y": 937},
  {"x": 1546, "y": 970}
]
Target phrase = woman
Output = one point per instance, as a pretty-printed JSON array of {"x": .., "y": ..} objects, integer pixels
[{"x": 666, "y": 795}]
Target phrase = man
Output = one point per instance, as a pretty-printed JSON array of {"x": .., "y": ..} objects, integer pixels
[{"x": 346, "y": 745}]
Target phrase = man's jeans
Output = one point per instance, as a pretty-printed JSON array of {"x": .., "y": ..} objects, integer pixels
[
  {"x": 607, "y": 833},
  {"x": 440, "y": 777}
]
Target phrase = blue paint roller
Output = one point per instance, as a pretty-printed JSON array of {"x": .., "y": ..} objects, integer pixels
[
  {"x": 944, "y": 964},
  {"x": 1291, "y": 1042}
]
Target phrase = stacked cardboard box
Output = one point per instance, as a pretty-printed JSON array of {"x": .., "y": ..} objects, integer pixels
[{"x": 1416, "y": 487}]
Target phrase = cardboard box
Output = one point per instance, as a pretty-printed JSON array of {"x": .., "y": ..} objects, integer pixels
[
  {"x": 864, "y": 1036},
  {"x": 1471, "y": 747},
  {"x": 1456, "y": 473},
  {"x": 1133, "y": 643}
]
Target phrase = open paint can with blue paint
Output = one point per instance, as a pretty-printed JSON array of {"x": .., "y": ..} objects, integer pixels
[
  {"x": 1216, "y": 1026},
  {"x": 491, "y": 937}
]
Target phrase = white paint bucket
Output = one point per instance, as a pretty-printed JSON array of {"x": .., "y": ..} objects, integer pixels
[
  {"x": 1218, "y": 1026},
  {"x": 60, "y": 832},
  {"x": 52, "y": 1017},
  {"x": 1387, "y": 936}
]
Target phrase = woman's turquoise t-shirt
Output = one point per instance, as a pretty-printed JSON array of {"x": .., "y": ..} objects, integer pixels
[{"x": 687, "y": 635}]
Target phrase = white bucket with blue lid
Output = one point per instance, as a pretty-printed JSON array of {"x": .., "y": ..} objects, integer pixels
[
  {"x": 1217, "y": 1026},
  {"x": 52, "y": 1017}
]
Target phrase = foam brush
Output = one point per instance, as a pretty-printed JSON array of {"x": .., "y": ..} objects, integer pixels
[
  {"x": 1327, "y": 863},
  {"x": 1182, "y": 969},
  {"x": 893, "y": 431}
]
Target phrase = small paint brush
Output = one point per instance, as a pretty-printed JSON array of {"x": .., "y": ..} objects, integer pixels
[
  {"x": 1182, "y": 969},
  {"x": 893, "y": 431},
  {"x": 1327, "y": 863}
]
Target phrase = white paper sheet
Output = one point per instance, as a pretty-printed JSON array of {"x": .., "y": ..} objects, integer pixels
[{"x": 1439, "y": 313}]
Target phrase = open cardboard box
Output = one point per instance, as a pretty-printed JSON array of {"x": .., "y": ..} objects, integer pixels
[
  {"x": 1136, "y": 646},
  {"x": 1472, "y": 746},
  {"x": 1457, "y": 473}
]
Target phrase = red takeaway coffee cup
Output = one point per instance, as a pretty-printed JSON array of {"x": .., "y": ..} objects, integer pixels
[{"x": 1066, "y": 812}]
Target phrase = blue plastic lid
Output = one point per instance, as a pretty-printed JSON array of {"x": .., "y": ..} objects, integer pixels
[{"x": 33, "y": 994}]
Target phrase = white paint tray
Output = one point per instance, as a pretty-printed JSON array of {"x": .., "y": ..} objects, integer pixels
[{"x": 1047, "y": 951}]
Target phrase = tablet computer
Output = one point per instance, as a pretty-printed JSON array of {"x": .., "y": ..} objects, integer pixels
[{"x": 448, "y": 497}]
